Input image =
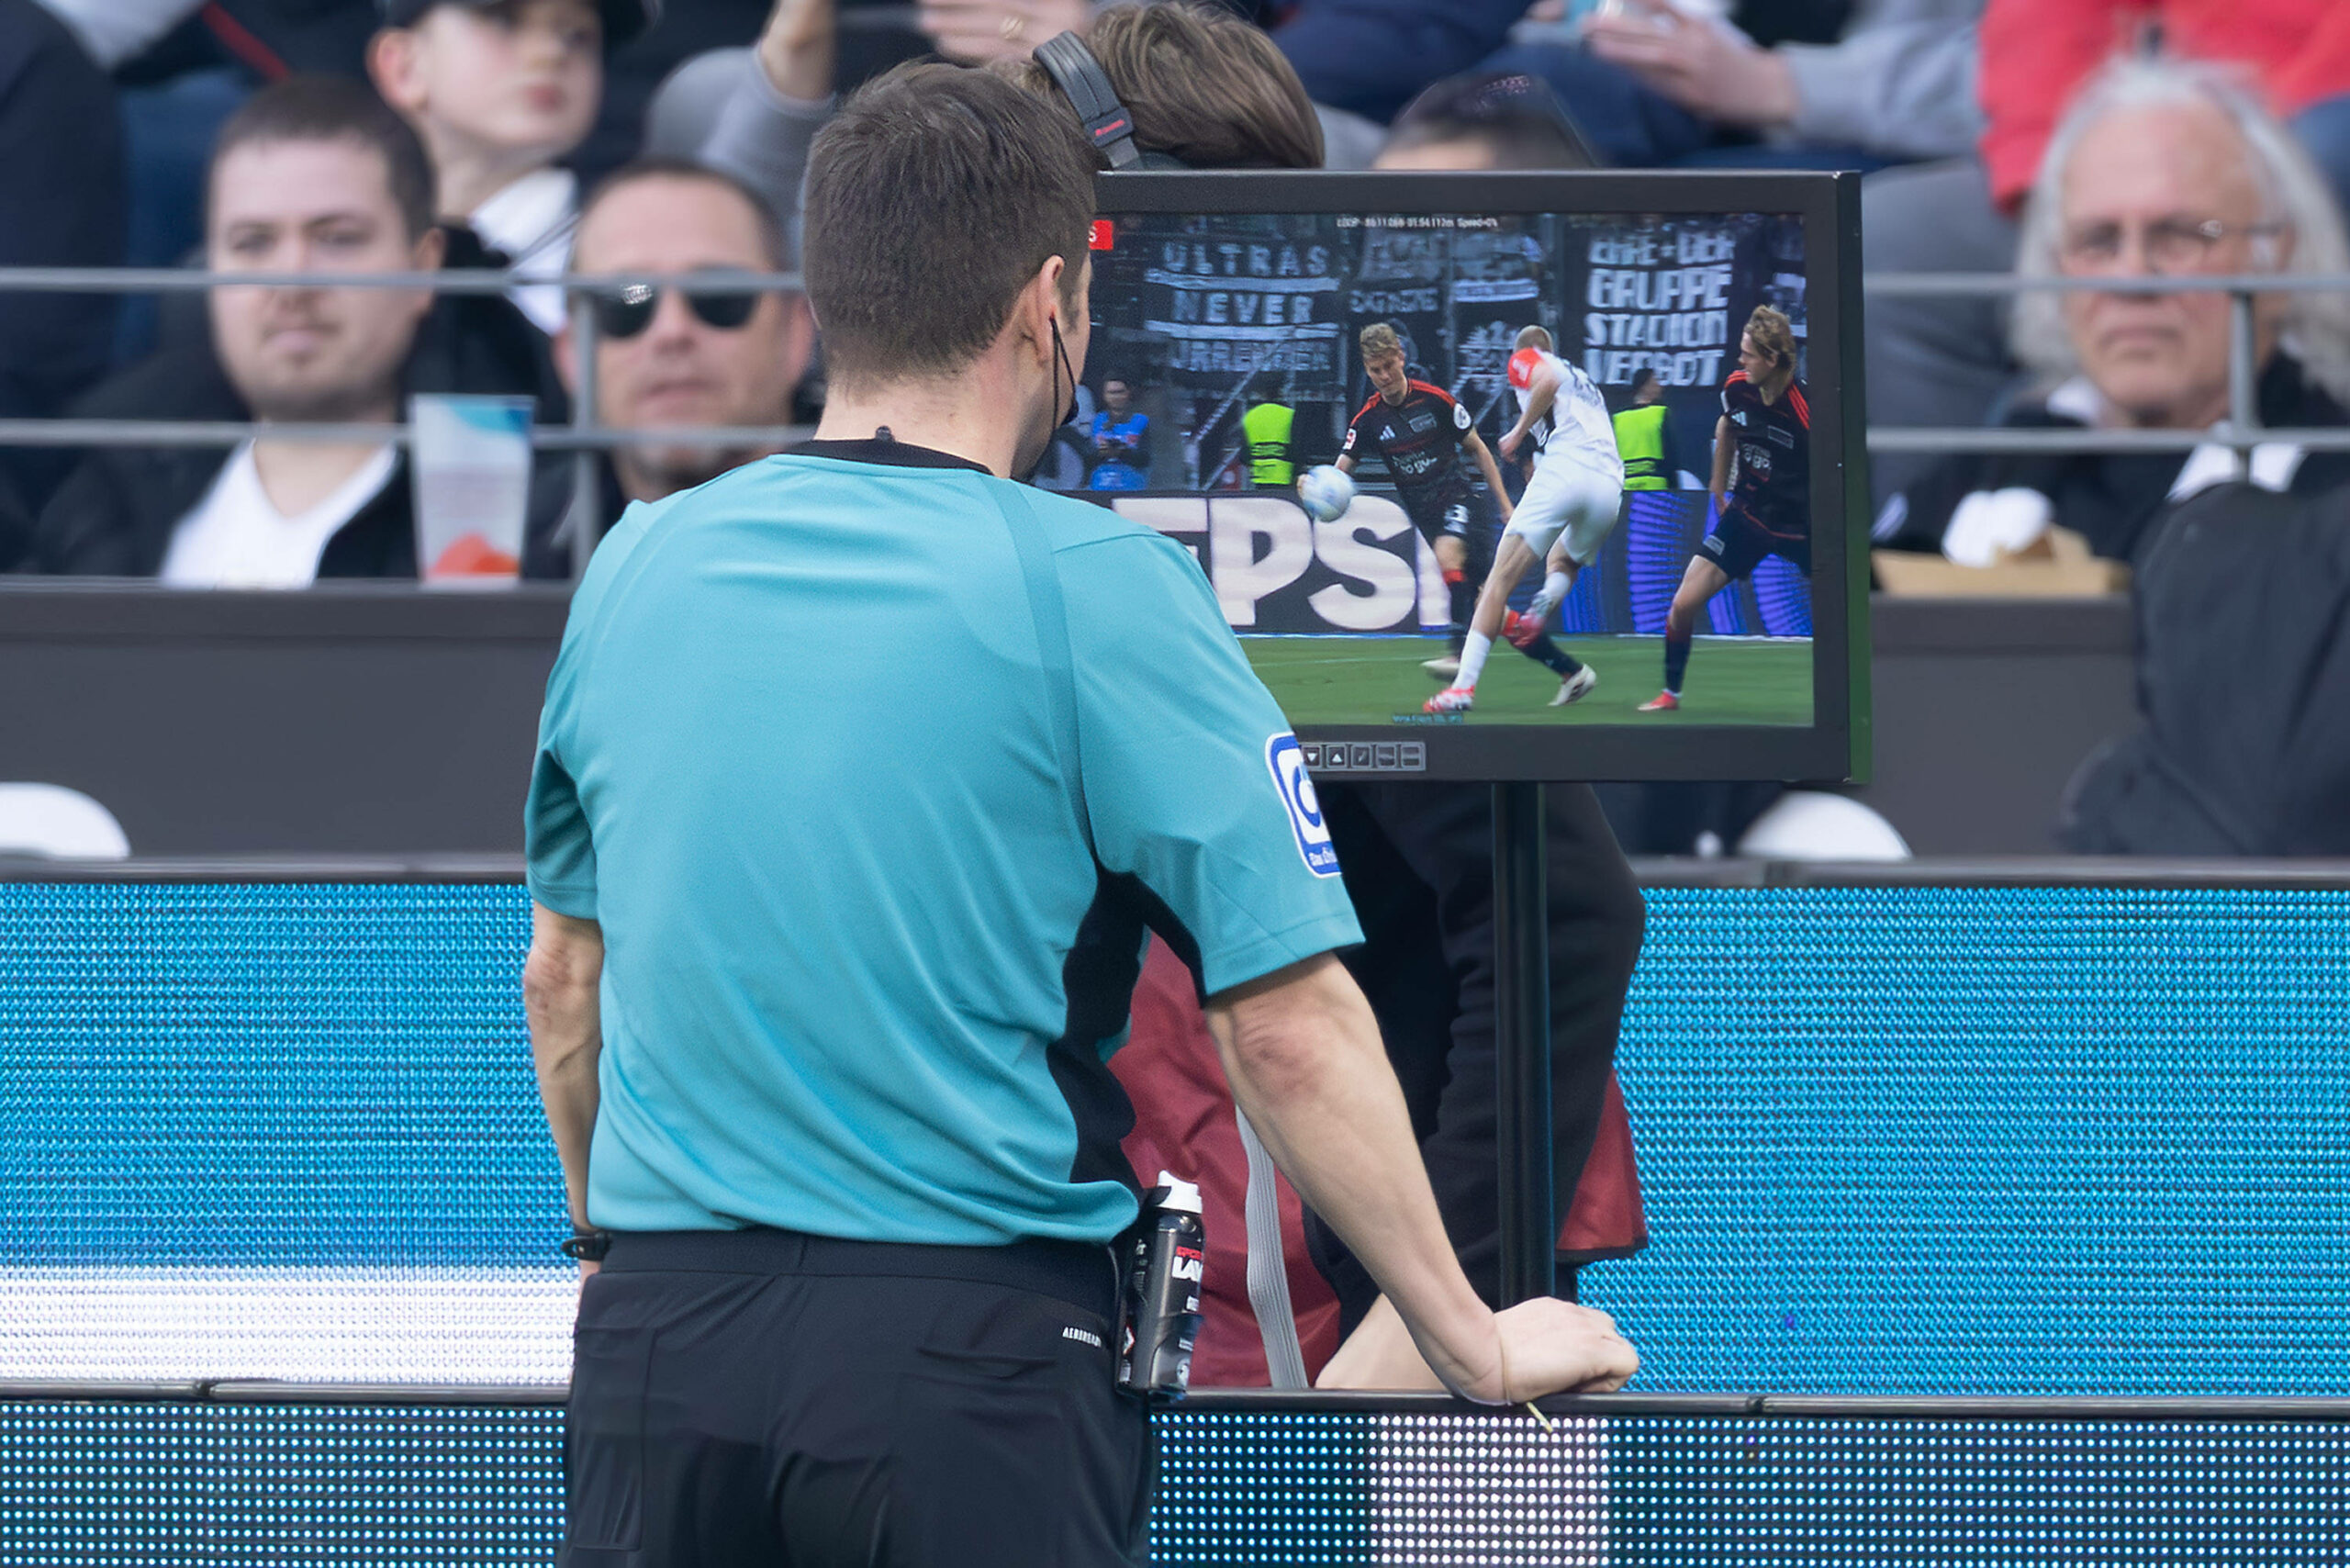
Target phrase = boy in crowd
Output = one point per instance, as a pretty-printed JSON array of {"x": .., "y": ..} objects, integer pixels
[
  {"x": 498, "y": 92},
  {"x": 501, "y": 90}
]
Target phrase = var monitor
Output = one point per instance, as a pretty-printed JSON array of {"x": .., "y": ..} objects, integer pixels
[{"x": 1502, "y": 476}]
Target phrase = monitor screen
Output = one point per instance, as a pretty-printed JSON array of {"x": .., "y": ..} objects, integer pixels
[{"x": 1392, "y": 415}]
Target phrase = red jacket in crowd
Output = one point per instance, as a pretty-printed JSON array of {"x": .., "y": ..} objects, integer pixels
[{"x": 2036, "y": 52}]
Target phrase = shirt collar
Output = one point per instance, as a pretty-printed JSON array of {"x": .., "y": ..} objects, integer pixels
[
  {"x": 527, "y": 213},
  {"x": 880, "y": 449}
]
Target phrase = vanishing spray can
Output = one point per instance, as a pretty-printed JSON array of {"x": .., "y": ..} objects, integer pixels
[{"x": 1164, "y": 1262}]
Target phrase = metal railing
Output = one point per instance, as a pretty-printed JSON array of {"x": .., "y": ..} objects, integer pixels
[
  {"x": 584, "y": 436},
  {"x": 2314, "y": 1409}
]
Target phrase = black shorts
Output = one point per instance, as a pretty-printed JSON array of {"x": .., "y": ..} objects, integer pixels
[
  {"x": 759, "y": 1397},
  {"x": 1739, "y": 542},
  {"x": 1465, "y": 515}
]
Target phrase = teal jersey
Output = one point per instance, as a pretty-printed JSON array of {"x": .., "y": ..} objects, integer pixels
[{"x": 873, "y": 769}]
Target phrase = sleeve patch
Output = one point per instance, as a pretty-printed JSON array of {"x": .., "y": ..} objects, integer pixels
[{"x": 1287, "y": 764}]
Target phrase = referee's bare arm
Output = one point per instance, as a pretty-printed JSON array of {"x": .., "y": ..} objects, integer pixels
[
  {"x": 1303, "y": 1052},
  {"x": 559, "y": 980}
]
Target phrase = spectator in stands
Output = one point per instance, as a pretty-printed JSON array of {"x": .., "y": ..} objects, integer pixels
[
  {"x": 61, "y": 204},
  {"x": 2243, "y": 599},
  {"x": 1942, "y": 360},
  {"x": 2158, "y": 168},
  {"x": 1491, "y": 120},
  {"x": 1417, "y": 860},
  {"x": 668, "y": 356},
  {"x": 997, "y": 32},
  {"x": 500, "y": 90},
  {"x": 503, "y": 89},
  {"x": 1652, "y": 83},
  {"x": 312, "y": 174},
  {"x": 1120, "y": 436},
  {"x": 753, "y": 113}
]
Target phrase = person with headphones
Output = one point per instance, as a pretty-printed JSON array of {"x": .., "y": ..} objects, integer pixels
[{"x": 1179, "y": 85}]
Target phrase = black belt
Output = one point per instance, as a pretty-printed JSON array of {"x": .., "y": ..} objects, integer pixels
[{"x": 1081, "y": 1273}]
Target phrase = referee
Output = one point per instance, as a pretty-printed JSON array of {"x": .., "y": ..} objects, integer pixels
[{"x": 833, "y": 928}]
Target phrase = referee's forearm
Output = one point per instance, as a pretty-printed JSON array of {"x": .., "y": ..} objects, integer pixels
[
  {"x": 1306, "y": 1063},
  {"x": 560, "y": 982},
  {"x": 567, "y": 1089}
]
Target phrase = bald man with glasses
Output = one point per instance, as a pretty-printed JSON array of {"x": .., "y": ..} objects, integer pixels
[{"x": 674, "y": 356}]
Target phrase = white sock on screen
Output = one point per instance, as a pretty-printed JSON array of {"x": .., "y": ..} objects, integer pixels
[
  {"x": 1555, "y": 587},
  {"x": 1472, "y": 659}
]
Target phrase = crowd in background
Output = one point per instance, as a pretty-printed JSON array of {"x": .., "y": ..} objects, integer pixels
[{"x": 2062, "y": 138}]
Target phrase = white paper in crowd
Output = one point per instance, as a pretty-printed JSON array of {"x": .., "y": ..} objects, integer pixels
[{"x": 472, "y": 467}]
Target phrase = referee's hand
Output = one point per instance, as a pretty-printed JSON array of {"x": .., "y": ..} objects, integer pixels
[{"x": 1555, "y": 1347}]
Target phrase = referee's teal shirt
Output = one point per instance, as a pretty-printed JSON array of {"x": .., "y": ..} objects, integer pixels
[{"x": 872, "y": 768}]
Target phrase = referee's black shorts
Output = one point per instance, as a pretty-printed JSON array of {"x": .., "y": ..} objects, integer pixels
[{"x": 764, "y": 1398}]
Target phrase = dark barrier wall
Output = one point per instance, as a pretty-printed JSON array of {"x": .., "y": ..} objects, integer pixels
[
  {"x": 108, "y": 1486},
  {"x": 376, "y": 721},
  {"x": 1895, "y": 1138}
]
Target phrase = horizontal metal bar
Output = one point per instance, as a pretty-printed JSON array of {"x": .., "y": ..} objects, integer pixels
[
  {"x": 505, "y": 1396},
  {"x": 1961, "y": 438},
  {"x": 2322, "y": 1410},
  {"x": 2042, "y": 871},
  {"x": 601, "y": 438},
  {"x": 462, "y": 870},
  {"x": 452, "y": 280},
  {"x": 2148, "y": 874},
  {"x": 1910, "y": 285},
  {"x": 481, "y": 280},
  {"x": 230, "y": 432},
  {"x": 2326, "y": 1410}
]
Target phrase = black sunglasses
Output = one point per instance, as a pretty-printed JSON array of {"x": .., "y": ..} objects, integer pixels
[{"x": 628, "y": 311}]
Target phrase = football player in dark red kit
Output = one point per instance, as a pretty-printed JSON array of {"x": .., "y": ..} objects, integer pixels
[
  {"x": 1421, "y": 432},
  {"x": 1761, "y": 485}
]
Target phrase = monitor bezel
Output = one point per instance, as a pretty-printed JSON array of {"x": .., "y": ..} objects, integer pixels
[{"x": 1834, "y": 747}]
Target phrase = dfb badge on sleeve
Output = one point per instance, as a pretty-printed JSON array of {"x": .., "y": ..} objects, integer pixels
[{"x": 1304, "y": 807}]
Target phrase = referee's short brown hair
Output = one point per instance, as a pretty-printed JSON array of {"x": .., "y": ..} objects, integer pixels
[{"x": 933, "y": 198}]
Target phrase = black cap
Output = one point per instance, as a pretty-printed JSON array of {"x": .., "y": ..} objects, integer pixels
[{"x": 624, "y": 19}]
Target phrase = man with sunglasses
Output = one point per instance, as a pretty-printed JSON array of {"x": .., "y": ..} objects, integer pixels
[{"x": 675, "y": 356}]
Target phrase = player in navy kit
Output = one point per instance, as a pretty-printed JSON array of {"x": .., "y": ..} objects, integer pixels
[
  {"x": 1420, "y": 432},
  {"x": 1761, "y": 485}
]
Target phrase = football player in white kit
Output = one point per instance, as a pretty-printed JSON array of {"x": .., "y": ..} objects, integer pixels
[{"x": 1570, "y": 504}]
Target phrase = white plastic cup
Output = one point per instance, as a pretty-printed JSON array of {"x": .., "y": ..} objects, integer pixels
[{"x": 471, "y": 469}]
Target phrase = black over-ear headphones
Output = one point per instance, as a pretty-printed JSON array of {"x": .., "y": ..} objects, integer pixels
[{"x": 1086, "y": 86}]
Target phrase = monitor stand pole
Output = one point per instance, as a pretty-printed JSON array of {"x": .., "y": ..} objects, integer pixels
[{"x": 1529, "y": 1229}]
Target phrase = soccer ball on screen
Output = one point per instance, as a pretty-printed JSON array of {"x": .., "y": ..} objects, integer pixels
[{"x": 1326, "y": 493}]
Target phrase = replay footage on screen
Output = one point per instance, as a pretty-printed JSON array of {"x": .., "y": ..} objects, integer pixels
[{"x": 1329, "y": 410}]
